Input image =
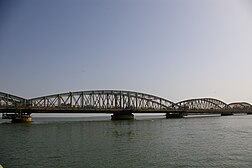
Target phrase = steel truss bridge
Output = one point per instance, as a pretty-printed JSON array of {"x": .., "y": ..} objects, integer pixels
[{"x": 116, "y": 102}]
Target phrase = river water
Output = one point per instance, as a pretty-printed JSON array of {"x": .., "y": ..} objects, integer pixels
[{"x": 151, "y": 141}]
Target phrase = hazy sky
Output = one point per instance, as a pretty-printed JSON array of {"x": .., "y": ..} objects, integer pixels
[{"x": 176, "y": 49}]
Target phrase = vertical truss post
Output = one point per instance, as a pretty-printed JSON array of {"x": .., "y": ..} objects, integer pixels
[
  {"x": 128, "y": 100},
  {"x": 160, "y": 103},
  {"x": 82, "y": 99},
  {"x": 44, "y": 101},
  {"x": 6, "y": 100},
  {"x": 71, "y": 99},
  {"x": 107, "y": 97},
  {"x": 99, "y": 100},
  {"x": 120, "y": 99},
  {"x": 136, "y": 101},
  {"x": 59, "y": 100},
  {"x": 115, "y": 96},
  {"x": 93, "y": 98}
]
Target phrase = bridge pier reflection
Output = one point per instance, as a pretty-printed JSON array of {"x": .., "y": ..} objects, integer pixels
[{"x": 227, "y": 113}]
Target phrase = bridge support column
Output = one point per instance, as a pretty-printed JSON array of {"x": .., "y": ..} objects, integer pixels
[
  {"x": 122, "y": 116},
  {"x": 174, "y": 115},
  {"x": 227, "y": 113},
  {"x": 18, "y": 117},
  {"x": 22, "y": 118}
]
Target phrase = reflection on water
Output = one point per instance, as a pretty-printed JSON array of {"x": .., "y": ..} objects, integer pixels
[{"x": 144, "y": 142}]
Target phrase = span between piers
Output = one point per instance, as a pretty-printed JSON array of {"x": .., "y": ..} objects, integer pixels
[{"x": 121, "y": 104}]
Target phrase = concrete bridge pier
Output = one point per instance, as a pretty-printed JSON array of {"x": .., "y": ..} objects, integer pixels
[
  {"x": 122, "y": 116},
  {"x": 18, "y": 117},
  {"x": 174, "y": 115},
  {"x": 23, "y": 117}
]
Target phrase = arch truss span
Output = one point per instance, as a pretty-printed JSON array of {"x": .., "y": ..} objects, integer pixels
[
  {"x": 103, "y": 100},
  {"x": 9, "y": 100},
  {"x": 240, "y": 105},
  {"x": 202, "y": 104}
]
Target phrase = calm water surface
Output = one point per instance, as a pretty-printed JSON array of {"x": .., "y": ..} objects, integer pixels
[{"x": 144, "y": 142}]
